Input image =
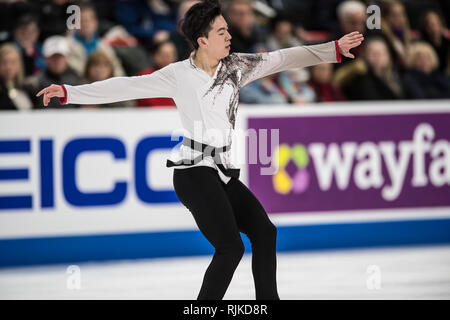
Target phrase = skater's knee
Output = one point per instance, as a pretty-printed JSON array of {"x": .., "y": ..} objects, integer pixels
[
  {"x": 234, "y": 250},
  {"x": 265, "y": 232},
  {"x": 238, "y": 249},
  {"x": 270, "y": 231}
]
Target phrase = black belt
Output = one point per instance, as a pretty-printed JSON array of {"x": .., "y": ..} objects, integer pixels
[{"x": 206, "y": 150}]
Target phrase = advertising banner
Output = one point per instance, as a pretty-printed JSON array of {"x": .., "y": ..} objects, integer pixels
[{"x": 353, "y": 161}]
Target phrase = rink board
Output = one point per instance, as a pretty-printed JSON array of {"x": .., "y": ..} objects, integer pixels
[{"x": 92, "y": 185}]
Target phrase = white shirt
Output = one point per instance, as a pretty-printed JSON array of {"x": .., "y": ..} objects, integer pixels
[{"x": 207, "y": 105}]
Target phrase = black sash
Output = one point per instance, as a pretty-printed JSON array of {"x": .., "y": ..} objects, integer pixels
[{"x": 206, "y": 150}]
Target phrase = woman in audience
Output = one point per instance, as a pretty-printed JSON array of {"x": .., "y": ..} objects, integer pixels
[
  {"x": 374, "y": 77},
  {"x": 100, "y": 67},
  {"x": 282, "y": 35},
  {"x": 321, "y": 82},
  {"x": 162, "y": 54},
  {"x": 422, "y": 80},
  {"x": 432, "y": 30},
  {"x": 12, "y": 96},
  {"x": 395, "y": 28}
]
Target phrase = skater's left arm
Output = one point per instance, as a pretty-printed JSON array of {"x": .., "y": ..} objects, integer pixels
[{"x": 264, "y": 64}]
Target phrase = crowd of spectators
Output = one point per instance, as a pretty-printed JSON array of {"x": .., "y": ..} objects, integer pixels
[{"x": 407, "y": 57}]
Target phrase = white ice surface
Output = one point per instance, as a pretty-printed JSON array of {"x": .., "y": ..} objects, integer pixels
[{"x": 404, "y": 273}]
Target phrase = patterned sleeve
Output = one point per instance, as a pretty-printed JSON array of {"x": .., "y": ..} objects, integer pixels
[
  {"x": 161, "y": 83},
  {"x": 259, "y": 65}
]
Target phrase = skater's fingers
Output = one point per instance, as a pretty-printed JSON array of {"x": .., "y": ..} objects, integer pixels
[
  {"x": 54, "y": 89},
  {"x": 349, "y": 55},
  {"x": 355, "y": 43},
  {"x": 354, "y": 33},
  {"x": 51, "y": 94},
  {"x": 41, "y": 92}
]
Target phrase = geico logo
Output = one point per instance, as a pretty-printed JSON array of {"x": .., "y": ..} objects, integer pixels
[{"x": 70, "y": 151}]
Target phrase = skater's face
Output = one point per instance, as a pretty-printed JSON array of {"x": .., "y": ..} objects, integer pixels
[{"x": 217, "y": 44}]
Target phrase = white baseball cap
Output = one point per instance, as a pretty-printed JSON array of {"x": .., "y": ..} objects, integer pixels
[{"x": 55, "y": 44}]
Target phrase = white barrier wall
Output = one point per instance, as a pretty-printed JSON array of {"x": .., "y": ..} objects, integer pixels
[{"x": 79, "y": 185}]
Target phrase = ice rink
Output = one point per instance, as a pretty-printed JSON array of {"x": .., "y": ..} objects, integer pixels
[{"x": 377, "y": 273}]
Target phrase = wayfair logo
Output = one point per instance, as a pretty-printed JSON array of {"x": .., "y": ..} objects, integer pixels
[
  {"x": 362, "y": 164},
  {"x": 282, "y": 181}
]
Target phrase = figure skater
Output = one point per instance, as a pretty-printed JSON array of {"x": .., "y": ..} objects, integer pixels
[{"x": 205, "y": 88}]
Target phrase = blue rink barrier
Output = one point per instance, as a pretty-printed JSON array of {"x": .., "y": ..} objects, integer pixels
[{"x": 72, "y": 249}]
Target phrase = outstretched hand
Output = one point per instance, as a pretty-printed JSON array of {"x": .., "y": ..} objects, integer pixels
[
  {"x": 50, "y": 92},
  {"x": 349, "y": 41}
]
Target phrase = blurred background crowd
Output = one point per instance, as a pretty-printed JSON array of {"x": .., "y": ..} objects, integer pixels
[{"x": 408, "y": 57}]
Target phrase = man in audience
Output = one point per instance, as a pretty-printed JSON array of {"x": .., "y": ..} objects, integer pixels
[
  {"x": 352, "y": 17},
  {"x": 242, "y": 25},
  {"x": 26, "y": 35},
  {"x": 87, "y": 40},
  {"x": 57, "y": 71}
]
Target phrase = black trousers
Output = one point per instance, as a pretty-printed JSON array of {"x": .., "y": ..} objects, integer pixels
[{"x": 221, "y": 211}]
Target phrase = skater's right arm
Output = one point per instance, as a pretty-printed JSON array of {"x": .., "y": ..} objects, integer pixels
[{"x": 161, "y": 83}]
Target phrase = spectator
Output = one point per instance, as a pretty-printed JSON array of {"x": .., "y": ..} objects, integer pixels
[
  {"x": 86, "y": 40},
  {"x": 10, "y": 11},
  {"x": 374, "y": 77},
  {"x": 176, "y": 36},
  {"x": 281, "y": 88},
  {"x": 100, "y": 67},
  {"x": 12, "y": 95},
  {"x": 26, "y": 35},
  {"x": 147, "y": 20},
  {"x": 55, "y": 50},
  {"x": 263, "y": 91},
  {"x": 242, "y": 25},
  {"x": 321, "y": 82},
  {"x": 163, "y": 54},
  {"x": 297, "y": 88},
  {"x": 432, "y": 30},
  {"x": 396, "y": 30},
  {"x": 351, "y": 17},
  {"x": 53, "y": 18},
  {"x": 422, "y": 81},
  {"x": 282, "y": 36}
]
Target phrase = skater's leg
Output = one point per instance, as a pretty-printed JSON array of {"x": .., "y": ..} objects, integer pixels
[
  {"x": 202, "y": 192},
  {"x": 252, "y": 220}
]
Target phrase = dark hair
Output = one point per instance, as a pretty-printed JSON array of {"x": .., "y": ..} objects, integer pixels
[
  {"x": 25, "y": 20},
  {"x": 155, "y": 46},
  {"x": 198, "y": 19},
  {"x": 423, "y": 18},
  {"x": 95, "y": 58},
  {"x": 281, "y": 16}
]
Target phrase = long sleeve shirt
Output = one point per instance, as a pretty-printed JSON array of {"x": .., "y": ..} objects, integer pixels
[{"x": 207, "y": 105}]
